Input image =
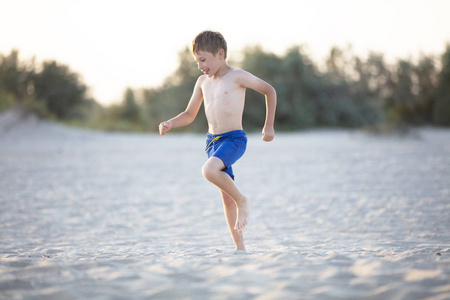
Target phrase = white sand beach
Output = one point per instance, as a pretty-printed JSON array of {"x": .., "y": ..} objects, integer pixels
[{"x": 336, "y": 214}]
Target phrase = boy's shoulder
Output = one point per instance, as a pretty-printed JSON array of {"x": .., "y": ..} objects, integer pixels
[
  {"x": 238, "y": 75},
  {"x": 239, "y": 72},
  {"x": 201, "y": 79},
  {"x": 241, "y": 76}
]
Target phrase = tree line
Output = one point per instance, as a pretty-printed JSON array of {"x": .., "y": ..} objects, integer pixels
[
  {"x": 51, "y": 90},
  {"x": 344, "y": 91}
]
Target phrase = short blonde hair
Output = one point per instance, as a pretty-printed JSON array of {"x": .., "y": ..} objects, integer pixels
[{"x": 209, "y": 41}]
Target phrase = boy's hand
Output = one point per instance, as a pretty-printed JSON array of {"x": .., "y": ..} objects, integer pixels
[
  {"x": 164, "y": 127},
  {"x": 268, "y": 133}
]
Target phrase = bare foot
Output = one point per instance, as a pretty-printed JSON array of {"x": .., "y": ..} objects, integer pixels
[
  {"x": 240, "y": 247},
  {"x": 243, "y": 209}
]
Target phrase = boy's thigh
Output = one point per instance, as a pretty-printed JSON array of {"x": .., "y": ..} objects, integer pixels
[{"x": 230, "y": 151}]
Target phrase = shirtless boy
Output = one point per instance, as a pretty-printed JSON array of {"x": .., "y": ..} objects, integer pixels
[{"x": 223, "y": 90}]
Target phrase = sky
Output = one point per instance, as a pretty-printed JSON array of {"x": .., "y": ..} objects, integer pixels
[{"x": 113, "y": 45}]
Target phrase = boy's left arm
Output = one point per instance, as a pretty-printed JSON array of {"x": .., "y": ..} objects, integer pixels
[
  {"x": 250, "y": 81},
  {"x": 268, "y": 131}
]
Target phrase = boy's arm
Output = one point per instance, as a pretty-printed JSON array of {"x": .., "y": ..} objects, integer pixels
[
  {"x": 248, "y": 80},
  {"x": 187, "y": 116}
]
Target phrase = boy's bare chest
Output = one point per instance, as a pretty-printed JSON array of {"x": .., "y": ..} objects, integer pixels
[{"x": 218, "y": 94}]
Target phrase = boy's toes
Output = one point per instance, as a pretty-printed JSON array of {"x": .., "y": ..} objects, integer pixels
[
  {"x": 237, "y": 226},
  {"x": 240, "y": 225}
]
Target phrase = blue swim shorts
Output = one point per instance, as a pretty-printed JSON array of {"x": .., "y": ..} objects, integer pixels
[{"x": 228, "y": 147}]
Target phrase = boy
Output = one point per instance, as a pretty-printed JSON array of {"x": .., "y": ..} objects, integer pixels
[{"x": 223, "y": 90}]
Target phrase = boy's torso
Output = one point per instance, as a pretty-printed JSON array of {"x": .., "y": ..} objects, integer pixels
[{"x": 224, "y": 102}]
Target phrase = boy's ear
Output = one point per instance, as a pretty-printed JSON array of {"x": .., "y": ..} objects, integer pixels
[{"x": 221, "y": 53}]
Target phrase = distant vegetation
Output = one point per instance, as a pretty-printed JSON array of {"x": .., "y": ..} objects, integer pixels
[
  {"x": 345, "y": 91},
  {"x": 51, "y": 90}
]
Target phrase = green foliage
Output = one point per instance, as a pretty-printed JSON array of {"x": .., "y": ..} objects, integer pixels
[
  {"x": 266, "y": 66},
  {"x": 55, "y": 91},
  {"x": 412, "y": 93},
  {"x": 15, "y": 76},
  {"x": 348, "y": 91},
  {"x": 126, "y": 116},
  {"x": 60, "y": 89},
  {"x": 307, "y": 97},
  {"x": 130, "y": 109},
  {"x": 441, "y": 110},
  {"x": 6, "y": 101}
]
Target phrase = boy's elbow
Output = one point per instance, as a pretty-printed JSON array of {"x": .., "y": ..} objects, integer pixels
[
  {"x": 271, "y": 92},
  {"x": 189, "y": 117}
]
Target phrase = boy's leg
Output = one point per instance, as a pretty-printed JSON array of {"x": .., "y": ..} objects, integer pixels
[
  {"x": 230, "y": 210},
  {"x": 212, "y": 171}
]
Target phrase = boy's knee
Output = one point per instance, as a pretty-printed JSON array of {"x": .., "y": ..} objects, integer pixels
[{"x": 209, "y": 171}]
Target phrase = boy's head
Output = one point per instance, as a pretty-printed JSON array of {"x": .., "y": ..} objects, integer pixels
[{"x": 209, "y": 41}]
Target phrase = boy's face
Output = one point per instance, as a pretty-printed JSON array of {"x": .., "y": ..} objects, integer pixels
[{"x": 209, "y": 63}]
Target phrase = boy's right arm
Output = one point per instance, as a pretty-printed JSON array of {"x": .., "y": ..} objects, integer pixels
[{"x": 187, "y": 116}]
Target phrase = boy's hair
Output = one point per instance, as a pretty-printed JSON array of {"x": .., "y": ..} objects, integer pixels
[{"x": 209, "y": 41}]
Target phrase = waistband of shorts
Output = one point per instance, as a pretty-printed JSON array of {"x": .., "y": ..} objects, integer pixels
[{"x": 234, "y": 133}]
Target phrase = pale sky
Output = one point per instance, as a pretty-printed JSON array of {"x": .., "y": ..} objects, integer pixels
[{"x": 116, "y": 44}]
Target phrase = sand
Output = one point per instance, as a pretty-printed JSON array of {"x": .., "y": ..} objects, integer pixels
[{"x": 336, "y": 214}]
